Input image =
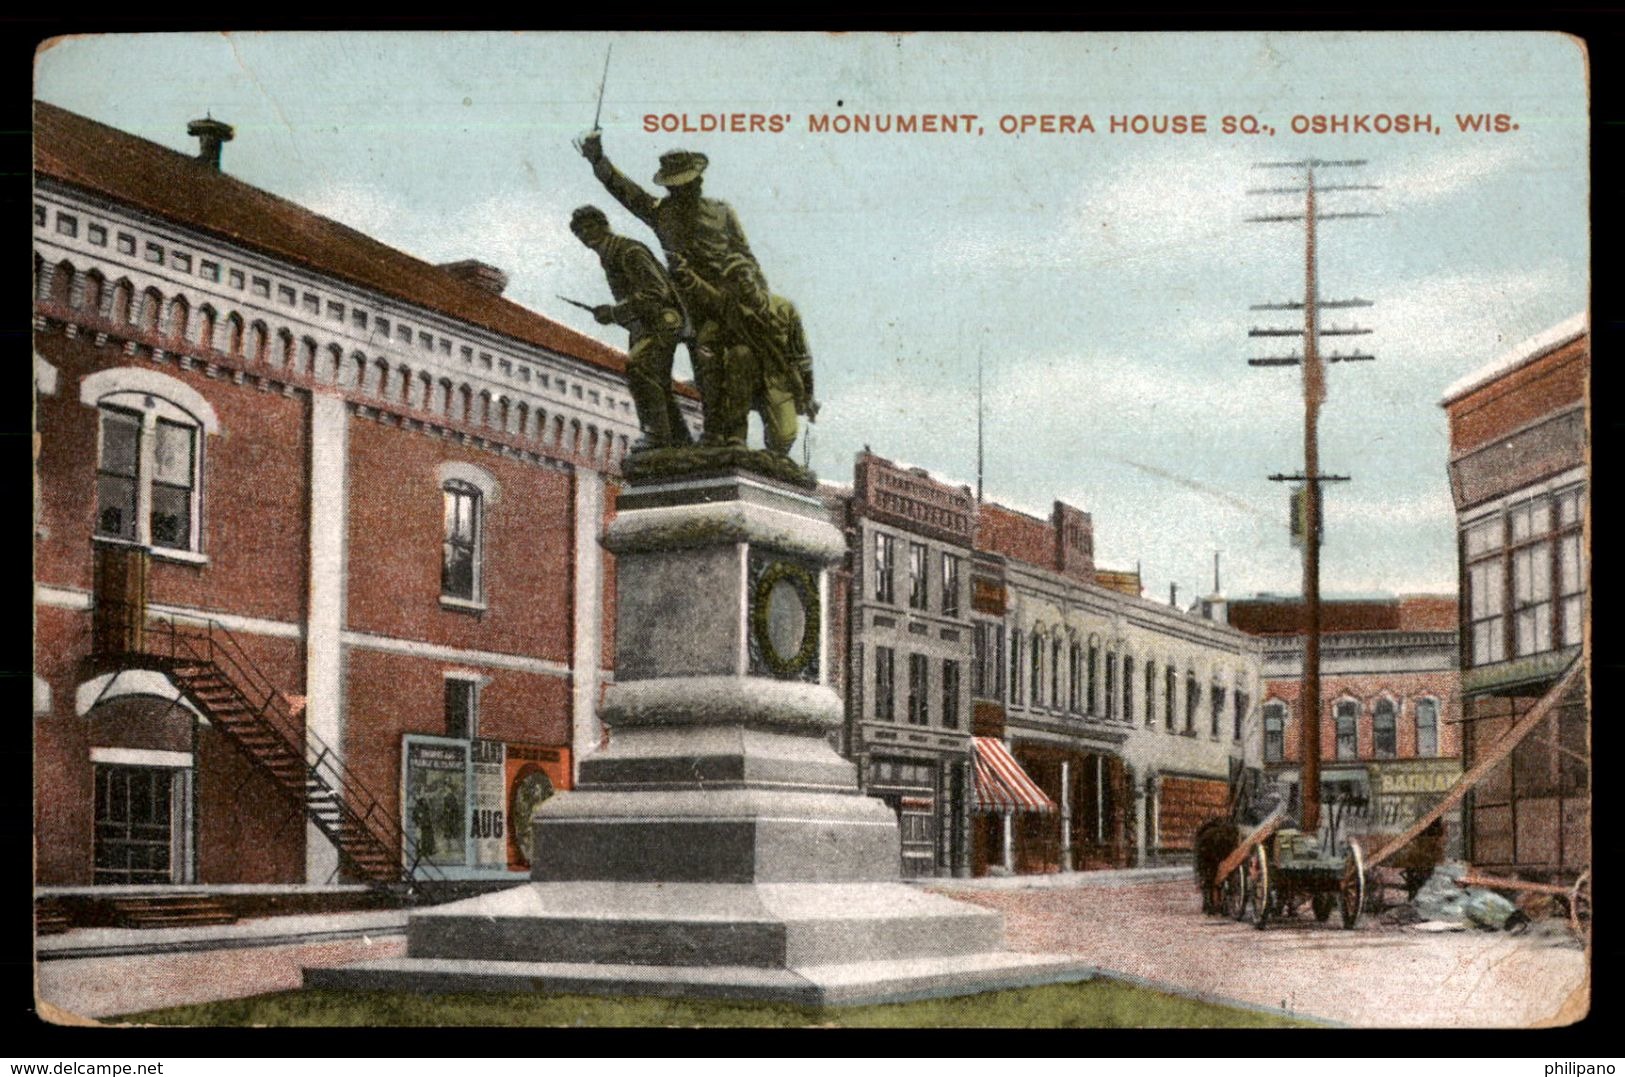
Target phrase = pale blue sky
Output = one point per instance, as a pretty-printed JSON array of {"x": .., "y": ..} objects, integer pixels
[{"x": 1105, "y": 278}]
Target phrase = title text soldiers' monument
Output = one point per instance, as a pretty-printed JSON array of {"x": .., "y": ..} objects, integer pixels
[{"x": 718, "y": 846}]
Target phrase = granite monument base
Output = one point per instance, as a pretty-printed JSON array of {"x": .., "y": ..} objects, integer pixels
[{"x": 719, "y": 846}]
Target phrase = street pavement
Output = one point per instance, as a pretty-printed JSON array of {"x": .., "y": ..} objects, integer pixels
[
  {"x": 1145, "y": 926},
  {"x": 1374, "y": 975}
]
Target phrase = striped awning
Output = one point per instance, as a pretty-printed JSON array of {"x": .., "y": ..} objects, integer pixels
[{"x": 1001, "y": 784}]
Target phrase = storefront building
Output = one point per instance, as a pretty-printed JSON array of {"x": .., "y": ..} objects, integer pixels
[
  {"x": 1519, "y": 475},
  {"x": 319, "y": 595},
  {"x": 909, "y": 655}
]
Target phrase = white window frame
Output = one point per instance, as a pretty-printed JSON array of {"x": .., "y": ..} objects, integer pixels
[{"x": 487, "y": 492}]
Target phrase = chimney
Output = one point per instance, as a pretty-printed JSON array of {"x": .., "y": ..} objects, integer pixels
[
  {"x": 211, "y": 135},
  {"x": 486, "y": 277}
]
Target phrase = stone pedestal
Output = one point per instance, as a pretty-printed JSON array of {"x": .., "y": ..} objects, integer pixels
[{"x": 719, "y": 846}]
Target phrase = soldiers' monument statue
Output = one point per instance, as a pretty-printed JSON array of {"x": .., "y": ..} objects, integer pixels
[{"x": 717, "y": 846}]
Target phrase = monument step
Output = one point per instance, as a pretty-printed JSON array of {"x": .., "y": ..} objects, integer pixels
[
  {"x": 704, "y": 924},
  {"x": 851, "y": 983}
]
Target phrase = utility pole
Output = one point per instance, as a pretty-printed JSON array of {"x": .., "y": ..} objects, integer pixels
[
  {"x": 1314, "y": 395},
  {"x": 979, "y": 425}
]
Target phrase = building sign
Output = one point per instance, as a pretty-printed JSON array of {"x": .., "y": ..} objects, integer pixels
[
  {"x": 1402, "y": 791},
  {"x": 532, "y": 773},
  {"x": 488, "y": 804},
  {"x": 436, "y": 799}
]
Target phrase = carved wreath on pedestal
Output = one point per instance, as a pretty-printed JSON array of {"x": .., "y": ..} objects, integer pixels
[{"x": 785, "y": 619}]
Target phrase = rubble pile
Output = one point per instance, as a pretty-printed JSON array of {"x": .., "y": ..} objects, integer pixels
[{"x": 1444, "y": 904}]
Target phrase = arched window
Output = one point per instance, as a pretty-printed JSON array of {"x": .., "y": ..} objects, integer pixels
[
  {"x": 152, "y": 307},
  {"x": 1092, "y": 673},
  {"x": 1150, "y": 692},
  {"x": 180, "y": 316},
  {"x": 1035, "y": 663},
  {"x": 1170, "y": 688},
  {"x": 1274, "y": 731},
  {"x": 1347, "y": 715},
  {"x": 1128, "y": 688},
  {"x": 1193, "y": 699},
  {"x": 460, "y": 565},
  {"x": 1016, "y": 679},
  {"x": 1427, "y": 727},
  {"x": 1111, "y": 683},
  {"x": 234, "y": 334},
  {"x": 1384, "y": 729},
  {"x": 1055, "y": 670},
  {"x": 149, "y": 457},
  {"x": 205, "y": 329},
  {"x": 1074, "y": 670},
  {"x": 95, "y": 289}
]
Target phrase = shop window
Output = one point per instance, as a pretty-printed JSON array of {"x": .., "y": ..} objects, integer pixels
[
  {"x": 918, "y": 559},
  {"x": 919, "y": 708},
  {"x": 885, "y": 567},
  {"x": 1384, "y": 729},
  {"x": 460, "y": 565},
  {"x": 1274, "y": 732},
  {"x": 885, "y": 684},
  {"x": 1347, "y": 718},
  {"x": 1427, "y": 727},
  {"x": 950, "y": 585},
  {"x": 950, "y": 694},
  {"x": 462, "y": 708}
]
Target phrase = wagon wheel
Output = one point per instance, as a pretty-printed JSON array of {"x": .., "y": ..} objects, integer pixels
[
  {"x": 1580, "y": 905},
  {"x": 1235, "y": 892},
  {"x": 1352, "y": 890},
  {"x": 1262, "y": 895},
  {"x": 1322, "y": 903}
]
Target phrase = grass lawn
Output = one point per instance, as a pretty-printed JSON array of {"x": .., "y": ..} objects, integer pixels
[{"x": 1095, "y": 1004}]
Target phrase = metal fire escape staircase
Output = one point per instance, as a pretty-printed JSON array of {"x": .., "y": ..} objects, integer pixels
[{"x": 211, "y": 669}]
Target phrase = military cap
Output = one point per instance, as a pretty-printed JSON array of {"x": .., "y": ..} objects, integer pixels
[
  {"x": 582, "y": 214},
  {"x": 679, "y": 167}
]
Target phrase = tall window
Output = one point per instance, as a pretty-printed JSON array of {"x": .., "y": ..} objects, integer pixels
[
  {"x": 1055, "y": 671},
  {"x": 1384, "y": 729},
  {"x": 1347, "y": 716},
  {"x": 1170, "y": 687},
  {"x": 919, "y": 708},
  {"x": 1128, "y": 688},
  {"x": 462, "y": 708},
  {"x": 1091, "y": 673},
  {"x": 950, "y": 585},
  {"x": 1571, "y": 571},
  {"x": 885, "y": 567},
  {"x": 1215, "y": 701},
  {"x": 1036, "y": 674},
  {"x": 1427, "y": 727},
  {"x": 918, "y": 559},
  {"x": 460, "y": 562},
  {"x": 986, "y": 673},
  {"x": 1193, "y": 699},
  {"x": 1150, "y": 692},
  {"x": 950, "y": 694},
  {"x": 1274, "y": 731},
  {"x": 978, "y": 668},
  {"x": 1241, "y": 713},
  {"x": 147, "y": 475},
  {"x": 1481, "y": 545},
  {"x": 885, "y": 684},
  {"x": 1074, "y": 670},
  {"x": 1016, "y": 672},
  {"x": 1111, "y": 684},
  {"x": 1532, "y": 577}
]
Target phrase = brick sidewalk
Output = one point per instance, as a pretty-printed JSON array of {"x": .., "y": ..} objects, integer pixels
[{"x": 1373, "y": 975}]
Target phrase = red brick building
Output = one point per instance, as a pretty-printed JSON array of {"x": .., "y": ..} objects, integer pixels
[
  {"x": 1390, "y": 700},
  {"x": 318, "y": 586},
  {"x": 1519, "y": 459}
]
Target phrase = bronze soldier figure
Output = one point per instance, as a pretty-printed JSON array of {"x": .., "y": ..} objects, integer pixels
[
  {"x": 705, "y": 235},
  {"x": 765, "y": 356},
  {"x": 647, "y": 305}
]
